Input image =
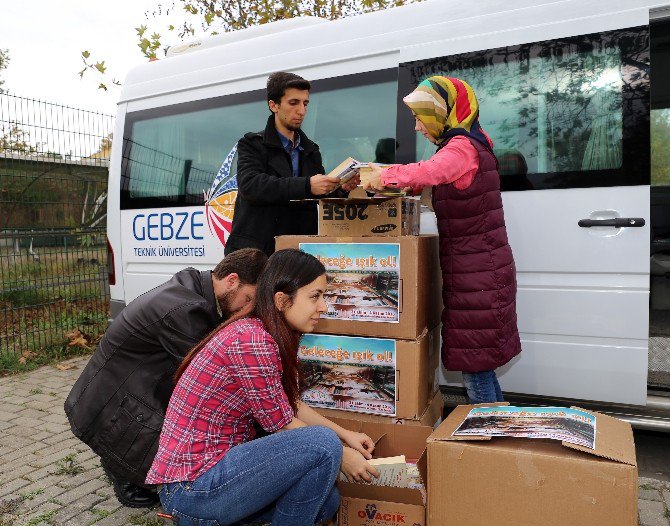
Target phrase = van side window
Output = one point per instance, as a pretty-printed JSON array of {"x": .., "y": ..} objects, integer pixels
[
  {"x": 563, "y": 113},
  {"x": 172, "y": 154}
]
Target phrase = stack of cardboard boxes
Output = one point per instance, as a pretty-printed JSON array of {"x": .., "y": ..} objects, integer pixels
[{"x": 372, "y": 362}]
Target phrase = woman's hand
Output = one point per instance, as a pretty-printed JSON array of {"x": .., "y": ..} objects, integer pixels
[
  {"x": 359, "y": 441},
  {"x": 372, "y": 180},
  {"x": 355, "y": 467}
]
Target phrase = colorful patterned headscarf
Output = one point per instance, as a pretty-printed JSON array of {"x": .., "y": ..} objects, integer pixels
[{"x": 447, "y": 107}]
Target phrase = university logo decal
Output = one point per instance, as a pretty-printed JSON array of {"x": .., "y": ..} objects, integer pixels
[{"x": 220, "y": 200}]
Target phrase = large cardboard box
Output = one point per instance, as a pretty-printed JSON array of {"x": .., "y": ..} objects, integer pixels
[
  {"x": 431, "y": 417},
  {"x": 380, "y": 287},
  {"x": 512, "y": 481},
  {"x": 369, "y": 216},
  {"x": 370, "y": 375},
  {"x": 368, "y": 505}
]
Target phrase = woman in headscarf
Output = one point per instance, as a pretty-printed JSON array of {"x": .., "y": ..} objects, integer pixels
[{"x": 479, "y": 326}]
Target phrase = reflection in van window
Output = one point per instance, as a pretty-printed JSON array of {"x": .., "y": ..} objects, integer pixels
[
  {"x": 176, "y": 157},
  {"x": 352, "y": 122},
  {"x": 556, "y": 106}
]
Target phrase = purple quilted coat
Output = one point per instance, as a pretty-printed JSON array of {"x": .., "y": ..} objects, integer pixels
[{"x": 479, "y": 329}]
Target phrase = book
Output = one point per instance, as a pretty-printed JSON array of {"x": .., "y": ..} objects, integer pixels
[
  {"x": 346, "y": 169},
  {"x": 393, "y": 471}
]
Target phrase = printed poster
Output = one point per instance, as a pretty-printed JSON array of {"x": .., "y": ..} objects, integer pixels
[
  {"x": 363, "y": 280},
  {"x": 349, "y": 373},
  {"x": 559, "y": 423}
]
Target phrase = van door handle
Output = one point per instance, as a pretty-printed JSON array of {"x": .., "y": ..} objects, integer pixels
[{"x": 619, "y": 222}]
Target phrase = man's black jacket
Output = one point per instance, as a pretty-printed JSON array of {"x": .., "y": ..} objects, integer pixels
[
  {"x": 266, "y": 186},
  {"x": 118, "y": 404}
]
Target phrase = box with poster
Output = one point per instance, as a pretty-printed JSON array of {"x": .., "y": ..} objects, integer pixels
[
  {"x": 392, "y": 378},
  {"x": 379, "y": 287},
  {"x": 399, "y": 496},
  {"x": 534, "y": 466},
  {"x": 361, "y": 215},
  {"x": 431, "y": 416}
]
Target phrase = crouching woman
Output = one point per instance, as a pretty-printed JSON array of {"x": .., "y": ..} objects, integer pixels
[{"x": 211, "y": 469}]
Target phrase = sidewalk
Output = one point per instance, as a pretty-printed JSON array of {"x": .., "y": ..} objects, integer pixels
[{"x": 48, "y": 477}]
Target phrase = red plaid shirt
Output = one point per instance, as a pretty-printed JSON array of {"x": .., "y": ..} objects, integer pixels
[{"x": 234, "y": 380}]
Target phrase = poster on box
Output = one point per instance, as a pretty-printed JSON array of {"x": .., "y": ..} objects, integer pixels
[
  {"x": 559, "y": 423},
  {"x": 363, "y": 280},
  {"x": 349, "y": 373}
]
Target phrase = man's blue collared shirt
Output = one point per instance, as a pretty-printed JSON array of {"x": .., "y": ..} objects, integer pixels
[{"x": 293, "y": 151}]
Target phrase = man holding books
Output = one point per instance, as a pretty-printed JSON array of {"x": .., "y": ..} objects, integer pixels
[{"x": 275, "y": 168}]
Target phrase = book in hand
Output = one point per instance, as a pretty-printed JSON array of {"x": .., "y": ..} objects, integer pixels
[
  {"x": 393, "y": 471},
  {"x": 346, "y": 169}
]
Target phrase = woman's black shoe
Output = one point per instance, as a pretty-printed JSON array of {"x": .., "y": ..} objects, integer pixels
[
  {"x": 130, "y": 495},
  {"x": 134, "y": 496}
]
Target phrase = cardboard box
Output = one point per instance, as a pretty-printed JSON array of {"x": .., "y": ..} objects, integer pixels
[
  {"x": 431, "y": 417},
  {"x": 380, "y": 287},
  {"x": 360, "y": 215},
  {"x": 368, "y": 505},
  {"x": 511, "y": 481},
  {"x": 396, "y": 378}
]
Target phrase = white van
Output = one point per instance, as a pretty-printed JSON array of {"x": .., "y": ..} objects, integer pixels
[{"x": 565, "y": 93}]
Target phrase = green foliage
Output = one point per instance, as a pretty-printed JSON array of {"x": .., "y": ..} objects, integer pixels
[
  {"x": 15, "y": 139},
  {"x": 97, "y": 67},
  {"x": 4, "y": 62},
  {"x": 47, "y": 517},
  {"x": 69, "y": 465},
  {"x": 30, "y": 495},
  {"x": 191, "y": 17}
]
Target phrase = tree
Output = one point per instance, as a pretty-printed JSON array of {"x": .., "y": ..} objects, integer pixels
[
  {"x": 189, "y": 18},
  {"x": 4, "y": 62},
  {"x": 15, "y": 140}
]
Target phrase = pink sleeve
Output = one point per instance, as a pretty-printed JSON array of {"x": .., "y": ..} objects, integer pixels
[{"x": 456, "y": 163}]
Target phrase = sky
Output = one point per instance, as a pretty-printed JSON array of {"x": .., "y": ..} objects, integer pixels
[{"x": 45, "y": 39}]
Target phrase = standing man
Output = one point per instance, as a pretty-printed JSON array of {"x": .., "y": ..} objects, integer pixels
[
  {"x": 277, "y": 166},
  {"x": 118, "y": 403}
]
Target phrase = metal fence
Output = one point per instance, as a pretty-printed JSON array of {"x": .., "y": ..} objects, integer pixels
[{"x": 53, "y": 190}]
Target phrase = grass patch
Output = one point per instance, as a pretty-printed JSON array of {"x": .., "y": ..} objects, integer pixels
[
  {"x": 35, "y": 391},
  {"x": 54, "y": 500},
  {"x": 31, "y": 494},
  {"x": 47, "y": 517},
  {"x": 140, "y": 520},
  {"x": 41, "y": 301},
  {"x": 23, "y": 297},
  {"x": 100, "y": 514},
  {"x": 50, "y": 354},
  {"x": 647, "y": 486},
  {"x": 69, "y": 465}
]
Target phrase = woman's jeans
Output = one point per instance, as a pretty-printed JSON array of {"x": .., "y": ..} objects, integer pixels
[
  {"x": 287, "y": 478},
  {"x": 482, "y": 387}
]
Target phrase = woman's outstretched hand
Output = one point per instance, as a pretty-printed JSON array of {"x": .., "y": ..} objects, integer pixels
[
  {"x": 355, "y": 467},
  {"x": 360, "y": 442},
  {"x": 372, "y": 180}
]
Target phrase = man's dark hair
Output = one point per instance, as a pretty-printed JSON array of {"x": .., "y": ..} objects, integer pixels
[
  {"x": 247, "y": 263},
  {"x": 280, "y": 81}
]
